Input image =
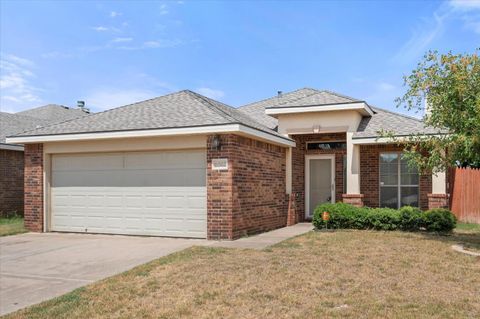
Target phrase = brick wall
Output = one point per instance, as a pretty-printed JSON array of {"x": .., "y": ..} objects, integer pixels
[
  {"x": 438, "y": 201},
  {"x": 33, "y": 210},
  {"x": 250, "y": 196},
  {"x": 298, "y": 166},
  {"x": 369, "y": 175},
  {"x": 11, "y": 182}
]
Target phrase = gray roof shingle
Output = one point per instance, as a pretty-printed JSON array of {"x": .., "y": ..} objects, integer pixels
[
  {"x": 316, "y": 98},
  {"x": 181, "y": 109},
  {"x": 53, "y": 113},
  {"x": 393, "y": 122},
  {"x": 16, "y": 123},
  {"x": 397, "y": 124},
  {"x": 256, "y": 110}
]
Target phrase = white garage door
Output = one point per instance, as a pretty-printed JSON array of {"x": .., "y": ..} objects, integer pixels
[{"x": 137, "y": 193}]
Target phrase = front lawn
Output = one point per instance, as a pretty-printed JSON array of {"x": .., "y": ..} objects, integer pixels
[
  {"x": 321, "y": 274},
  {"x": 11, "y": 226},
  {"x": 467, "y": 228}
]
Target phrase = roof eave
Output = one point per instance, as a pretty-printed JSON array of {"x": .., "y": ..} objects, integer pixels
[
  {"x": 359, "y": 140},
  {"x": 238, "y": 128},
  {"x": 11, "y": 147},
  {"x": 362, "y": 107}
]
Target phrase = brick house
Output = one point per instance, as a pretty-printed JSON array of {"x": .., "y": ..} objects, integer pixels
[
  {"x": 11, "y": 155},
  {"x": 184, "y": 165}
]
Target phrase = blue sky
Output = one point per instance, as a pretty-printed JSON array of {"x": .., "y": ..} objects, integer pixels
[{"x": 114, "y": 53}]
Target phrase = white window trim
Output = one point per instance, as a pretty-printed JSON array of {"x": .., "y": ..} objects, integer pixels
[{"x": 399, "y": 181}]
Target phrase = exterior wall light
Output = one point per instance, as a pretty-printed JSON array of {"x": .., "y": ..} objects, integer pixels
[{"x": 216, "y": 143}]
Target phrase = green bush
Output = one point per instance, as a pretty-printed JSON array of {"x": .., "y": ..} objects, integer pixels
[
  {"x": 439, "y": 220},
  {"x": 384, "y": 218},
  {"x": 411, "y": 218},
  {"x": 407, "y": 218}
]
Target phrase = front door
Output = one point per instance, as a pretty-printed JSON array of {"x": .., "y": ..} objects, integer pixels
[{"x": 319, "y": 181}]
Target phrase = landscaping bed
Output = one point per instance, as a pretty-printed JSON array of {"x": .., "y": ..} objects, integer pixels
[{"x": 345, "y": 216}]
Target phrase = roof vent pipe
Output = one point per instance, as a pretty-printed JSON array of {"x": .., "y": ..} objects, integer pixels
[
  {"x": 81, "y": 106},
  {"x": 279, "y": 94}
]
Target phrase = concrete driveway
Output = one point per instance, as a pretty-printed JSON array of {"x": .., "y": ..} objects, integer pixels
[{"x": 36, "y": 267}]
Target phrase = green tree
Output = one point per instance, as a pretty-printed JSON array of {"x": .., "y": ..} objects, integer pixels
[{"x": 448, "y": 86}]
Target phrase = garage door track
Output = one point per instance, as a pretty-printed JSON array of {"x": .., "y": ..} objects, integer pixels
[{"x": 36, "y": 267}]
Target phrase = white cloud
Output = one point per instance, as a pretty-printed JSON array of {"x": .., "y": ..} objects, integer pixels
[
  {"x": 118, "y": 40},
  {"x": 153, "y": 44},
  {"x": 465, "y": 5},
  {"x": 108, "y": 98},
  {"x": 385, "y": 86},
  {"x": 431, "y": 28},
  {"x": 211, "y": 93},
  {"x": 422, "y": 37},
  {"x": 100, "y": 28},
  {"x": 16, "y": 90},
  {"x": 163, "y": 9},
  {"x": 56, "y": 55},
  {"x": 115, "y": 14}
]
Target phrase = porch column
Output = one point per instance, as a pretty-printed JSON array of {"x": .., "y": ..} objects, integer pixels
[
  {"x": 439, "y": 197},
  {"x": 288, "y": 171},
  {"x": 353, "y": 195}
]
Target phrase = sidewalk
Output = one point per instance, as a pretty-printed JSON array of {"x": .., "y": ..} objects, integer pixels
[{"x": 264, "y": 240}]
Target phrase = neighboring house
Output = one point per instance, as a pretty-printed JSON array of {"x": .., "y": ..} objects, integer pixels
[
  {"x": 184, "y": 165},
  {"x": 11, "y": 155}
]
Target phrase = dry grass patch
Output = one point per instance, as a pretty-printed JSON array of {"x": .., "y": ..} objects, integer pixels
[{"x": 352, "y": 274}]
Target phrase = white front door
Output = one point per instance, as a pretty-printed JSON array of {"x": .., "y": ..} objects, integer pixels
[
  {"x": 319, "y": 181},
  {"x": 134, "y": 193}
]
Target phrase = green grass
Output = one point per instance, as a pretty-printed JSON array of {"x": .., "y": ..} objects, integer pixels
[
  {"x": 11, "y": 226},
  {"x": 467, "y": 227}
]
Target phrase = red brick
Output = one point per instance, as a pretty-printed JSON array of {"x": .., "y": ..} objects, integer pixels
[
  {"x": 249, "y": 197},
  {"x": 11, "y": 185},
  {"x": 33, "y": 210}
]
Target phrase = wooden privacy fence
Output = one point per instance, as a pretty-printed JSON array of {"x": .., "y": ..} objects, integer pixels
[{"x": 465, "y": 194}]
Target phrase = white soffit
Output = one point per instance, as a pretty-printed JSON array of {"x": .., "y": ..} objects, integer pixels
[{"x": 361, "y": 107}]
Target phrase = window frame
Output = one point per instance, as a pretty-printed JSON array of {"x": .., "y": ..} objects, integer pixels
[
  {"x": 329, "y": 141},
  {"x": 399, "y": 181}
]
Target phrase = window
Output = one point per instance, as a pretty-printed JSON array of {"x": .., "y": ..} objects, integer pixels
[
  {"x": 398, "y": 182},
  {"x": 326, "y": 145}
]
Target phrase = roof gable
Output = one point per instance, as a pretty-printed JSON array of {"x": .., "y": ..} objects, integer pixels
[{"x": 176, "y": 110}]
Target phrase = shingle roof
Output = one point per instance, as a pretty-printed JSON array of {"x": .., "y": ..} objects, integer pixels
[
  {"x": 53, "y": 113},
  {"x": 15, "y": 123},
  {"x": 395, "y": 123},
  {"x": 175, "y": 110},
  {"x": 256, "y": 110},
  {"x": 369, "y": 126},
  {"x": 316, "y": 98}
]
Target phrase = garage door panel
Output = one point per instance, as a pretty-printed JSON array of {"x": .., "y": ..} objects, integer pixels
[
  {"x": 165, "y": 160},
  {"x": 159, "y": 193},
  {"x": 113, "y": 161}
]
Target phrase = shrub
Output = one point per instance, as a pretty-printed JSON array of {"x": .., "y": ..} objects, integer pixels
[
  {"x": 341, "y": 215},
  {"x": 439, "y": 220},
  {"x": 411, "y": 218},
  {"x": 384, "y": 219},
  {"x": 407, "y": 218}
]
